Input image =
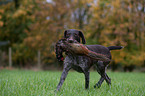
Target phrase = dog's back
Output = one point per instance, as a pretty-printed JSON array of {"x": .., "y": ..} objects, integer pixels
[{"x": 100, "y": 49}]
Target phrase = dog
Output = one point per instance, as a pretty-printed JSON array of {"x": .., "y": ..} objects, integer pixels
[{"x": 82, "y": 64}]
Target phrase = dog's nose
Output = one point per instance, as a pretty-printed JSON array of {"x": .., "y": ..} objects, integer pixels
[{"x": 70, "y": 40}]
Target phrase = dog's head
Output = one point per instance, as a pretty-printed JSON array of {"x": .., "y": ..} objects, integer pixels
[{"x": 73, "y": 36}]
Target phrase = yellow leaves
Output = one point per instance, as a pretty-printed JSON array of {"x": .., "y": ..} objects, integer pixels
[
  {"x": 38, "y": 38},
  {"x": 1, "y": 11},
  {"x": 97, "y": 16},
  {"x": 81, "y": 1},
  {"x": 117, "y": 56},
  {"x": 28, "y": 39},
  {"x": 19, "y": 12},
  {"x": 110, "y": 22},
  {"x": 33, "y": 41},
  {"x": 116, "y": 3},
  {"x": 32, "y": 18},
  {"x": 138, "y": 58},
  {"x": 0, "y": 16},
  {"x": 128, "y": 58},
  {"x": 88, "y": 35},
  {"x": 1, "y": 23},
  {"x": 118, "y": 24},
  {"x": 107, "y": 31},
  {"x": 131, "y": 36}
]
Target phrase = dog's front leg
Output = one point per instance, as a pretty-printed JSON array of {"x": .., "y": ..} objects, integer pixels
[
  {"x": 87, "y": 76},
  {"x": 66, "y": 68}
]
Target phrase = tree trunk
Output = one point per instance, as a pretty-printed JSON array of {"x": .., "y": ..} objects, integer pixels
[
  {"x": 10, "y": 57},
  {"x": 39, "y": 59}
]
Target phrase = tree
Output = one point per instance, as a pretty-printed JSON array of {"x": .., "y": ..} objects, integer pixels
[
  {"x": 50, "y": 23},
  {"x": 120, "y": 22}
]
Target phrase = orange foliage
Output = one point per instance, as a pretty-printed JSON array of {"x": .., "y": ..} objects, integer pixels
[
  {"x": 118, "y": 22},
  {"x": 37, "y": 25}
]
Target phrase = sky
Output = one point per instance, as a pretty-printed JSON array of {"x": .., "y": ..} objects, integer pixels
[{"x": 49, "y": 1}]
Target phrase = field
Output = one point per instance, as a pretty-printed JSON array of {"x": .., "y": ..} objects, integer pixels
[{"x": 43, "y": 83}]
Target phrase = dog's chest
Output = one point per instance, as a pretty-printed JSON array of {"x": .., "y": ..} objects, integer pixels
[{"x": 80, "y": 63}]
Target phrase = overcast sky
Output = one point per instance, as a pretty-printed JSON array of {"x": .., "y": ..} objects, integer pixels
[{"x": 49, "y": 1}]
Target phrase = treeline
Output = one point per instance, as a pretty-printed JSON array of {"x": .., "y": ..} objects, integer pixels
[{"x": 36, "y": 25}]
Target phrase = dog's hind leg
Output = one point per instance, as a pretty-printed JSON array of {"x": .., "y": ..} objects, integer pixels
[
  {"x": 101, "y": 70},
  {"x": 101, "y": 79},
  {"x": 108, "y": 79},
  {"x": 99, "y": 83}
]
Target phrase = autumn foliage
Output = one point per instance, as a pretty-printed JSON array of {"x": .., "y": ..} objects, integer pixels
[{"x": 32, "y": 25}]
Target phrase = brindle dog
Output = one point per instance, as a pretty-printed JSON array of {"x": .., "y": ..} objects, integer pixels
[{"x": 82, "y": 64}]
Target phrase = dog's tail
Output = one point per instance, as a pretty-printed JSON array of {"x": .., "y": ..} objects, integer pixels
[{"x": 115, "y": 47}]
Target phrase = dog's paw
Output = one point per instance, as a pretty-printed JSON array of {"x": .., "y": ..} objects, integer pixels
[{"x": 97, "y": 85}]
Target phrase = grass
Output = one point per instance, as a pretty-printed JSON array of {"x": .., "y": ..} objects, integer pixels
[{"x": 43, "y": 83}]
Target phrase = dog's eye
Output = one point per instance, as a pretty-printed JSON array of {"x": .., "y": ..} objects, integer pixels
[
  {"x": 76, "y": 35},
  {"x": 67, "y": 35}
]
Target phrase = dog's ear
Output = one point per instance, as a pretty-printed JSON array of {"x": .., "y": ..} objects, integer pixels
[
  {"x": 83, "y": 38},
  {"x": 65, "y": 32}
]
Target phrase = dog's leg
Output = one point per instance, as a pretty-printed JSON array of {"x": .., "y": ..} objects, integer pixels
[
  {"x": 101, "y": 79},
  {"x": 101, "y": 71},
  {"x": 66, "y": 68},
  {"x": 99, "y": 83},
  {"x": 87, "y": 76},
  {"x": 108, "y": 79}
]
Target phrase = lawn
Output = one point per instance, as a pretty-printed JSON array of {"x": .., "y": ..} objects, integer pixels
[{"x": 43, "y": 83}]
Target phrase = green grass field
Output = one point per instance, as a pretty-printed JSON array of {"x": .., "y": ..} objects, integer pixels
[{"x": 43, "y": 83}]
